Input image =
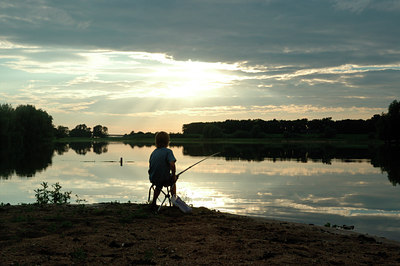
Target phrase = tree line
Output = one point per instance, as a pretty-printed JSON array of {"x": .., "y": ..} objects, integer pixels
[
  {"x": 24, "y": 126},
  {"x": 81, "y": 131},
  {"x": 385, "y": 126},
  {"x": 27, "y": 126}
]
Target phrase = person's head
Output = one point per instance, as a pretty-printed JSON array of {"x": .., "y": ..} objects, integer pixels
[{"x": 162, "y": 139}]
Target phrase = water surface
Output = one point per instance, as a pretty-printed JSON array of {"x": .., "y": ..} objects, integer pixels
[{"x": 295, "y": 183}]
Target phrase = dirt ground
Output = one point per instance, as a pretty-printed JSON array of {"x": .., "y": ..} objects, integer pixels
[{"x": 132, "y": 234}]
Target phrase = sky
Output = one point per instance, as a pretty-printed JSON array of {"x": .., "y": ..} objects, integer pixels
[{"x": 148, "y": 65}]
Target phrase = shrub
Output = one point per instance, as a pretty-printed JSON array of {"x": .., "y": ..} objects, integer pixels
[{"x": 45, "y": 196}]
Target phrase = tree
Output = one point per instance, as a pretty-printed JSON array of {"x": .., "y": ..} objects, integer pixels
[
  {"x": 6, "y": 114},
  {"x": 388, "y": 125},
  {"x": 81, "y": 131},
  {"x": 32, "y": 125},
  {"x": 394, "y": 120},
  {"x": 100, "y": 131},
  {"x": 212, "y": 131},
  {"x": 256, "y": 132},
  {"x": 61, "y": 132},
  {"x": 193, "y": 128},
  {"x": 24, "y": 126}
]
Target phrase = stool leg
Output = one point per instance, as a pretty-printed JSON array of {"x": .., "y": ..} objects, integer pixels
[
  {"x": 169, "y": 196},
  {"x": 151, "y": 188},
  {"x": 165, "y": 198}
]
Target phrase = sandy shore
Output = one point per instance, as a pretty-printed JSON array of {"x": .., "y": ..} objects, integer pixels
[{"x": 131, "y": 234}]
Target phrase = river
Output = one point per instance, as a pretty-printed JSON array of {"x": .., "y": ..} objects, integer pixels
[{"x": 309, "y": 184}]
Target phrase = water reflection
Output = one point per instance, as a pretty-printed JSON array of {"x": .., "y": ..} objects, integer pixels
[
  {"x": 25, "y": 163},
  {"x": 302, "y": 153},
  {"x": 100, "y": 147},
  {"x": 385, "y": 157},
  {"x": 388, "y": 159},
  {"x": 61, "y": 148},
  {"x": 311, "y": 184},
  {"x": 84, "y": 147}
]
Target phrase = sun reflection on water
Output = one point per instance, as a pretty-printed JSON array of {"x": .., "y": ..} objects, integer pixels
[{"x": 313, "y": 192}]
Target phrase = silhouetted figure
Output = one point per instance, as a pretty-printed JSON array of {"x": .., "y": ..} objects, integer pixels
[{"x": 162, "y": 169}]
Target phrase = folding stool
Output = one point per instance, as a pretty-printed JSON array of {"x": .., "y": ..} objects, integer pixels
[{"x": 166, "y": 195}]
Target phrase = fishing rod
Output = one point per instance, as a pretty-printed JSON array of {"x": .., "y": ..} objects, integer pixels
[
  {"x": 177, "y": 176},
  {"x": 175, "y": 199}
]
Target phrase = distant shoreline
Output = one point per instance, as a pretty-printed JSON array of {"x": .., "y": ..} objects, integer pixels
[{"x": 342, "y": 139}]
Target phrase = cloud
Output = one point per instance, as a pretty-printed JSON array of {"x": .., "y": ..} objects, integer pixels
[
  {"x": 202, "y": 57},
  {"x": 206, "y": 31},
  {"x": 358, "y": 6},
  {"x": 93, "y": 75},
  {"x": 40, "y": 14}
]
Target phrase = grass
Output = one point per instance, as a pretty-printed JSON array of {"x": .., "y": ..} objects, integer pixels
[
  {"x": 59, "y": 227},
  {"x": 78, "y": 255},
  {"x": 34, "y": 220},
  {"x": 128, "y": 216},
  {"x": 22, "y": 219},
  {"x": 204, "y": 237}
]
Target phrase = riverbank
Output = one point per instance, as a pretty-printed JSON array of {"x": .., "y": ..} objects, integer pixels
[
  {"x": 341, "y": 140},
  {"x": 125, "y": 234},
  {"x": 196, "y": 138}
]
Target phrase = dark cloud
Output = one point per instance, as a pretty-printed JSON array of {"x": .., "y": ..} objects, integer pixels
[
  {"x": 267, "y": 32},
  {"x": 294, "y": 50}
]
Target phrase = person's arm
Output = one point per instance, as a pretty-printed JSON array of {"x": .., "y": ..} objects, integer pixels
[
  {"x": 172, "y": 167},
  {"x": 171, "y": 159}
]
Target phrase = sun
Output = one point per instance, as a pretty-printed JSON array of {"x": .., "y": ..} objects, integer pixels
[
  {"x": 192, "y": 88},
  {"x": 192, "y": 79}
]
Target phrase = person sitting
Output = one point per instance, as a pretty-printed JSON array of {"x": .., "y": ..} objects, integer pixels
[{"x": 162, "y": 168}]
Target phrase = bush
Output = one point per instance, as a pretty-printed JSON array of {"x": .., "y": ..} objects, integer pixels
[{"x": 45, "y": 196}]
